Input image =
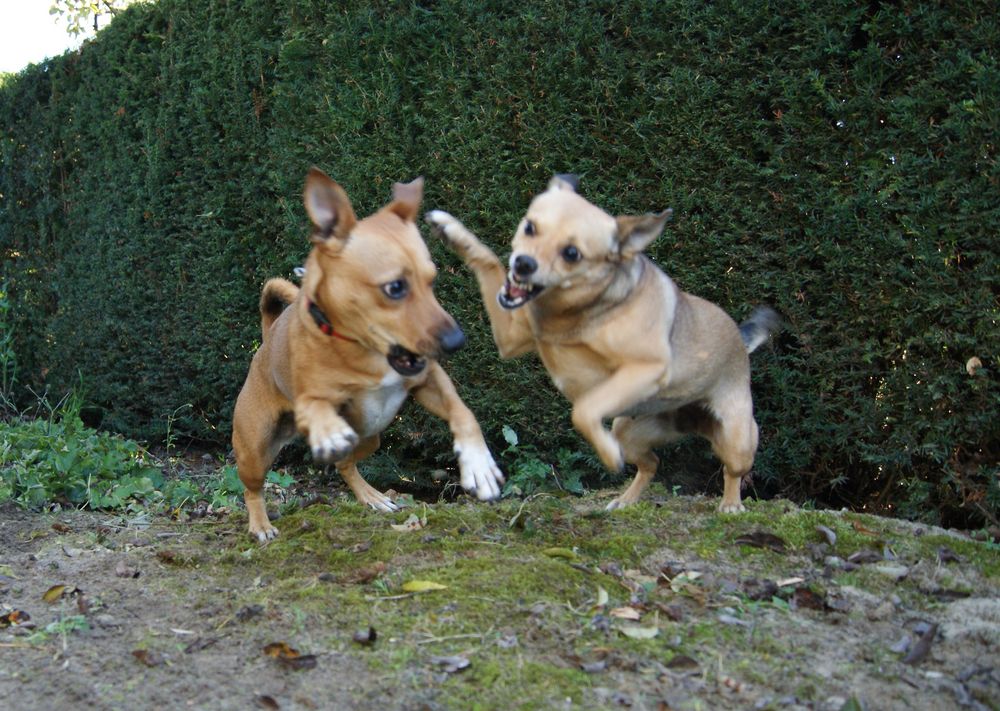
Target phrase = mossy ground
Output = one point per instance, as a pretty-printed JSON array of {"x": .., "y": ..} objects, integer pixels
[{"x": 537, "y": 598}]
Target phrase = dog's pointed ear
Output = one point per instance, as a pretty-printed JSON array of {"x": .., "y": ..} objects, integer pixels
[
  {"x": 406, "y": 199},
  {"x": 564, "y": 181},
  {"x": 635, "y": 233},
  {"x": 328, "y": 207}
]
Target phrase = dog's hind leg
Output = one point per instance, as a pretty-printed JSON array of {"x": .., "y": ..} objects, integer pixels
[
  {"x": 363, "y": 491},
  {"x": 734, "y": 441},
  {"x": 637, "y": 437},
  {"x": 257, "y": 440}
]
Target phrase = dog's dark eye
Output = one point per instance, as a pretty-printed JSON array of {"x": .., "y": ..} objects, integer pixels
[
  {"x": 529, "y": 228},
  {"x": 396, "y": 289},
  {"x": 571, "y": 254}
]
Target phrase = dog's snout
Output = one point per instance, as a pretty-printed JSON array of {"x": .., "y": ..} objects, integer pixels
[
  {"x": 452, "y": 339},
  {"x": 524, "y": 266}
]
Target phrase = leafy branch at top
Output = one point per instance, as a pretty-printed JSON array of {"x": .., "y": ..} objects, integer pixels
[{"x": 80, "y": 13}]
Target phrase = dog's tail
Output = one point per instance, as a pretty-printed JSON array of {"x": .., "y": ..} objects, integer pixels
[
  {"x": 276, "y": 295},
  {"x": 759, "y": 326}
]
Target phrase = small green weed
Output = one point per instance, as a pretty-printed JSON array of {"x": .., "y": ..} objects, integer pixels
[
  {"x": 62, "y": 460},
  {"x": 528, "y": 473},
  {"x": 62, "y": 628},
  {"x": 59, "y": 460}
]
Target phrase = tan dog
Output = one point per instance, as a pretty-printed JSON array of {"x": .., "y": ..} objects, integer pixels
[
  {"x": 617, "y": 335},
  {"x": 362, "y": 332}
]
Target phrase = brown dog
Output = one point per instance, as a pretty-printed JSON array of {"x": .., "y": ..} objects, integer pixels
[
  {"x": 617, "y": 335},
  {"x": 362, "y": 332}
]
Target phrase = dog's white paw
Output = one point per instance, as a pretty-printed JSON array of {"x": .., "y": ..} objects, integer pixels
[
  {"x": 451, "y": 230},
  {"x": 266, "y": 536},
  {"x": 334, "y": 446},
  {"x": 626, "y": 498},
  {"x": 384, "y": 504},
  {"x": 263, "y": 532},
  {"x": 730, "y": 507},
  {"x": 480, "y": 474},
  {"x": 370, "y": 496},
  {"x": 441, "y": 220}
]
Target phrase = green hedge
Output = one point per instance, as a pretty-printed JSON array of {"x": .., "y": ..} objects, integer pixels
[{"x": 834, "y": 159}]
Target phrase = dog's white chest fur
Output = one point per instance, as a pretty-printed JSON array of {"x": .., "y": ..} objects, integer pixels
[{"x": 377, "y": 407}]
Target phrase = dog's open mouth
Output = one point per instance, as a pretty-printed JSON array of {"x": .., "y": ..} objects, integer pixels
[
  {"x": 516, "y": 293},
  {"x": 405, "y": 362}
]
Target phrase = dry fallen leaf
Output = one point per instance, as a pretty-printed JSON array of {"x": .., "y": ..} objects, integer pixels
[
  {"x": 762, "y": 539},
  {"x": 861, "y": 528},
  {"x": 419, "y": 586},
  {"x": 14, "y": 617},
  {"x": 865, "y": 555},
  {"x": 625, "y": 613},
  {"x": 199, "y": 644},
  {"x": 364, "y": 575},
  {"x": 637, "y": 632},
  {"x": 147, "y": 657},
  {"x": 412, "y": 523},
  {"x": 788, "y": 582},
  {"x": 602, "y": 599},
  {"x": 682, "y": 662},
  {"x": 290, "y": 656},
  {"x": 280, "y": 649},
  {"x": 451, "y": 664},
  {"x": 673, "y": 611},
  {"x": 268, "y": 702},
  {"x": 682, "y": 580},
  {"x": 61, "y": 527},
  {"x": 806, "y": 598},
  {"x": 57, "y": 592}
]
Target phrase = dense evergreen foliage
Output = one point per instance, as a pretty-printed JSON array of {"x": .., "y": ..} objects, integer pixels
[{"x": 837, "y": 160}]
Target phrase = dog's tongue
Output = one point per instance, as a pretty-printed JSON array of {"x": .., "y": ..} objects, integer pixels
[{"x": 514, "y": 291}]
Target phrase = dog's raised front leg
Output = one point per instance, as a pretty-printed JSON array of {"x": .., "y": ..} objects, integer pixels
[
  {"x": 511, "y": 331},
  {"x": 330, "y": 437},
  {"x": 627, "y": 387},
  {"x": 480, "y": 474}
]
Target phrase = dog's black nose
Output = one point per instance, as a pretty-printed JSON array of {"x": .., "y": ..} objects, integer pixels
[
  {"x": 524, "y": 266},
  {"x": 452, "y": 339}
]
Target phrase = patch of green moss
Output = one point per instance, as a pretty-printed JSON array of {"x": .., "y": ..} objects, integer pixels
[{"x": 522, "y": 579}]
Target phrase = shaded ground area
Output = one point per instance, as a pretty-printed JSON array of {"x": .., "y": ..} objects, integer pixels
[{"x": 543, "y": 603}]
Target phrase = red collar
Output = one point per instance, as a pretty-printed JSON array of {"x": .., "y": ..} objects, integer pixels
[{"x": 323, "y": 322}]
